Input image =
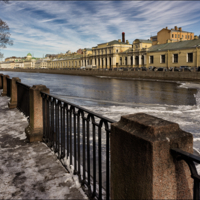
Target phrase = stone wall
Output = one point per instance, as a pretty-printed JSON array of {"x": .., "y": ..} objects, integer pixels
[{"x": 177, "y": 76}]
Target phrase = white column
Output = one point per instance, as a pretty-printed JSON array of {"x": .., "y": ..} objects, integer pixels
[
  {"x": 145, "y": 60},
  {"x": 93, "y": 62},
  {"x": 133, "y": 60},
  {"x": 140, "y": 59},
  {"x": 108, "y": 60},
  {"x": 100, "y": 63},
  {"x": 186, "y": 57},
  {"x": 114, "y": 61},
  {"x": 129, "y": 60},
  {"x": 104, "y": 62}
]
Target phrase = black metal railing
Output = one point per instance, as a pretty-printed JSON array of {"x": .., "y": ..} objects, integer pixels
[
  {"x": 8, "y": 86},
  {"x": 82, "y": 138},
  {"x": 1, "y": 81},
  {"x": 190, "y": 159},
  {"x": 23, "y": 98}
]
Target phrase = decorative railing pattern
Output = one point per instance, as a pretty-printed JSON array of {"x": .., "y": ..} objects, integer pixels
[
  {"x": 8, "y": 86},
  {"x": 190, "y": 159},
  {"x": 81, "y": 137},
  {"x": 23, "y": 98}
]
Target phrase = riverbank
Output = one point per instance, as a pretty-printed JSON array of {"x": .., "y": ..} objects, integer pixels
[
  {"x": 29, "y": 170},
  {"x": 158, "y": 75}
]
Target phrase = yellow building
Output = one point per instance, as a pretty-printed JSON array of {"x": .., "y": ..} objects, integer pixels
[{"x": 171, "y": 35}]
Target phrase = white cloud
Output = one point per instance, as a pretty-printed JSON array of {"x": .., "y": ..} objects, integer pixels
[{"x": 72, "y": 26}]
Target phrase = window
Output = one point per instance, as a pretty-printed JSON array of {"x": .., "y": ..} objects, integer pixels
[
  {"x": 162, "y": 58},
  {"x": 125, "y": 60},
  {"x": 175, "y": 58},
  {"x": 116, "y": 50},
  {"x": 120, "y": 60},
  {"x": 188, "y": 37},
  {"x": 102, "y": 51},
  {"x": 185, "y": 36},
  {"x": 191, "y": 37},
  {"x": 172, "y": 35},
  {"x": 151, "y": 59},
  {"x": 175, "y": 35},
  {"x": 182, "y": 36},
  {"x": 178, "y": 36},
  {"x": 190, "y": 57},
  {"x": 109, "y": 51}
]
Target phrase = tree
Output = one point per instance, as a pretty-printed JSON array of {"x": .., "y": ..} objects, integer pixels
[{"x": 4, "y": 35}]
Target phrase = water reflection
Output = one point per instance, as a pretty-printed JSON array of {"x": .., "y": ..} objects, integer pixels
[{"x": 111, "y": 89}]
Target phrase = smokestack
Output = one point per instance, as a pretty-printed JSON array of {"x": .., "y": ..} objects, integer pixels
[{"x": 123, "y": 37}]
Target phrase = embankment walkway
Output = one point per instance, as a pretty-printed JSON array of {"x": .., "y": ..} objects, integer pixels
[{"x": 29, "y": 170}]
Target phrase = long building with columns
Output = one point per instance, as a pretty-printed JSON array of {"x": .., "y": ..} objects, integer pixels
[{"x": 165, "y": 52}]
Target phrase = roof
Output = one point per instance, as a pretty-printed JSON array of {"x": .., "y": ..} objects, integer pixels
[
  {"x": 144, "y": 41},
  {"x": 180, "y": 31},
  {"x": 29, "y": 54},
  {"x": 176, "y": 45},
  {"x": 114, "y": 42}
]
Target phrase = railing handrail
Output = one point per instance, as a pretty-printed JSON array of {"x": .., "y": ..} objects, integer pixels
[
  {"x": 23, "y": 84},
  {"x": 79, "y": 107},
  {"x": 186, "y": 155},
  {"x": 190, "y": 159}
]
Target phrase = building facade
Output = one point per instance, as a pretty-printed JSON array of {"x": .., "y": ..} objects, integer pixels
[{"x": 170, "y": 48}]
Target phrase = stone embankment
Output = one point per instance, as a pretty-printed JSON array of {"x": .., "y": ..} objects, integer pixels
[
  {"x": 176, "y": 76},
  {"x": 29, "y": 170}
]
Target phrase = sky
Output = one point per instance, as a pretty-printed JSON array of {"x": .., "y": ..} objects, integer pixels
[{"x": 52, "y": 27}]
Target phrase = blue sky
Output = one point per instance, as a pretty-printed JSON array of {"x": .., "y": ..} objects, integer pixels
[{"x": 45, "y": 27}]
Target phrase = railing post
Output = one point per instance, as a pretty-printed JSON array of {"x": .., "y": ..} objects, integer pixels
[
  {"x": 13, "y": 100},
  {"x": 1, "y": 81},
  {"x": 141, "y": 164},
  {"x": 34, "y": 131},
  {"x": 4, "y": 93}
]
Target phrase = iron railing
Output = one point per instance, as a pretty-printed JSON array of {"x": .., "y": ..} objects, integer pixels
[
  {"x": 23, "y": 98},
  {"x": 1, "y": 81},
  {"x": 82, "y": 138},
  {"x": 8, "y": 86},
  {"x": 190, "y": 159}
]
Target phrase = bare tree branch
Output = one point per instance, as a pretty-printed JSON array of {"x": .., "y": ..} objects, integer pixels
[{"x": 4, "y": 35}]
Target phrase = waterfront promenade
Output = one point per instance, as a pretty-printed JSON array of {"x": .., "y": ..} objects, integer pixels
[{"x": 29, "y": 170}]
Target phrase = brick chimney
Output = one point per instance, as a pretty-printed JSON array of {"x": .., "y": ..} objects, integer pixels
[
  {"x": 180, "y": 29},
  {"x": 123, "y": 37},
  {"x": 176, "y": 28}
]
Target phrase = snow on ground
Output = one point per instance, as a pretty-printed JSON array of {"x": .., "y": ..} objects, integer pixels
[{"x": 29, "y": 170}]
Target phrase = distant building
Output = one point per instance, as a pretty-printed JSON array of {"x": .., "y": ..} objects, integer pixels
[
  {"x": 171, "y": 35},
  {"x": 80, "y": 51}
]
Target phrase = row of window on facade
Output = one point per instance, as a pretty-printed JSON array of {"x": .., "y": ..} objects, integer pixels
[
  {"x": 189, "y": 58},
  {"x": 102, "y": 62},
  {"x": 99, "y": 52},
  {"x": 186, "y": 36}
]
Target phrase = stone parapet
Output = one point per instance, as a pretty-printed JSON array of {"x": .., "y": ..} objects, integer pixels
[
  {"x": 142, "y": 166},
  {"x": 13, "y": 101},
  {"x": 34, "y": 131},
  {"x": 4, "y": 93}
]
